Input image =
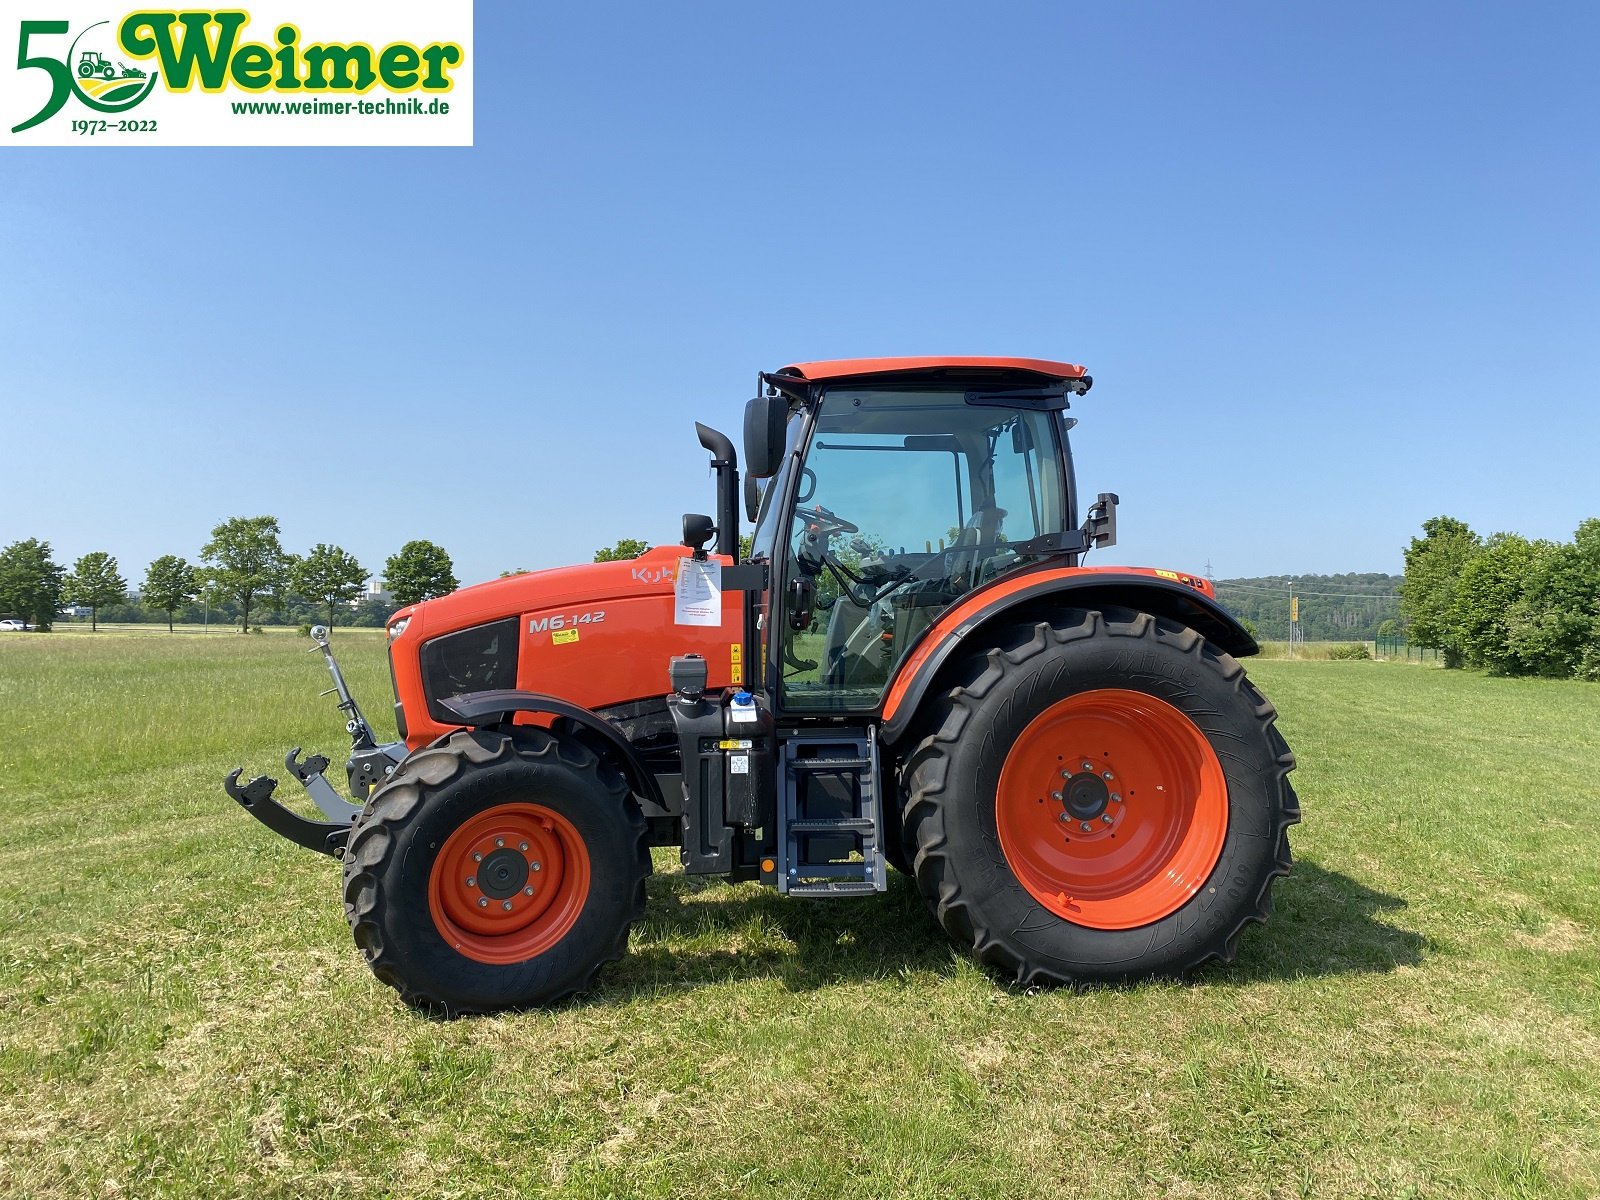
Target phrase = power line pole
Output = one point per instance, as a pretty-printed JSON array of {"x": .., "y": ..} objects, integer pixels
[{"x": 1295, "y": 634}]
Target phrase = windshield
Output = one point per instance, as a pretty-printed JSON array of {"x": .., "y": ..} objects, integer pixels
[{"x": 908, "y": 500}]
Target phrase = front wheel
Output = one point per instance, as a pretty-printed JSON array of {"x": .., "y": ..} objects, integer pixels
[
  {"x": 492, "y": 872},
  {"x": 1103, "y": 798}
]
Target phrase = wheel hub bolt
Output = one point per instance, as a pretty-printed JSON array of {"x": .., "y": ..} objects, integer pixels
[
  {"x": 1116, "y": 797},
  {"x": 472, "y": 881},
  {"x": 1109, "y": 775},
  {"x": 506, "y": 904},
  {"x": 523, "y": 846},
  {"x": 533, "y": 866},
  {"x": 1056, "y": 796},
  {"x": 1065, "y": 817},
  {"x": 1088, "y": 766},
  {"x": 1085, "y": 826},
  {"x": 1106, "y": 817},
  {"x": 499, "y": 842},
  {"x": 483, "y": 902},
  {"x": 476, "y": 857},
  {"x": 527, "y": 891}
]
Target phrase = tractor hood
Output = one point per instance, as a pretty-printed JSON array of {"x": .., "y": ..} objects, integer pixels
[{"x": 652, "y": 573}]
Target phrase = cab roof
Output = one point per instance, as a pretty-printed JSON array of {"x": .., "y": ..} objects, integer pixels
[{"x": 856, "y": 368}]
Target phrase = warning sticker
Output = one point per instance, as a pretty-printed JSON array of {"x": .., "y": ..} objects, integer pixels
[
  {"x": 562, "y": 636},
  {"x": 739, "y": 764}
]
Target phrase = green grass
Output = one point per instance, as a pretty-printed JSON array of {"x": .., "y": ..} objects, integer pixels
[{"x": 182, "y": 1012}]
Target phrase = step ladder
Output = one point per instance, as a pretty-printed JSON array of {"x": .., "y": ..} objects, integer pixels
[{"x": 830, "y": 824}]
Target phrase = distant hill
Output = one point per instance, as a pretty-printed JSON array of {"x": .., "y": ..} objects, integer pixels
[{"x": 1333, "y": 608}]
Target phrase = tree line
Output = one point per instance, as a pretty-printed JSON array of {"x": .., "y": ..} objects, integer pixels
[
  {"x": 1350, "y": 607},
  {"x": 243, "y": 568},
  {"x": 1504, "y": 603}
]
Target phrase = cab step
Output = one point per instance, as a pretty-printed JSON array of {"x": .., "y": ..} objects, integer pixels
[{"x": 830, "y": 817}]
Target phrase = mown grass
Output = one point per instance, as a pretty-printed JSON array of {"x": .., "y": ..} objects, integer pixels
[{"x": 182, "y": 1012}]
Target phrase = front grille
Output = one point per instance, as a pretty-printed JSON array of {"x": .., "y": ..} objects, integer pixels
[{"x": 473, "y": 660}]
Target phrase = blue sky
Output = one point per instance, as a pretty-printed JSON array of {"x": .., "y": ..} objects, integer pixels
[{"x": 1335, "y": 269}]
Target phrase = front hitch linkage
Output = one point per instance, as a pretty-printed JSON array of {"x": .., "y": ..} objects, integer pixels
[{"x": 369, "y": 764}]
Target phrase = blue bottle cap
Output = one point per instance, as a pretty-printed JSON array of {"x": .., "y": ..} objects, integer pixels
[{"x": 742, "y": 697}]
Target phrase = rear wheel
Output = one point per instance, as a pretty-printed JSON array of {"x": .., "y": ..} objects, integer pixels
[
  {"x": 492, "y": 872},
  {"x": 1104, "y": 798}
]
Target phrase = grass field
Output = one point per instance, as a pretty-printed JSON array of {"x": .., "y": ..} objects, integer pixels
[{"x": 182, "y": 1012}]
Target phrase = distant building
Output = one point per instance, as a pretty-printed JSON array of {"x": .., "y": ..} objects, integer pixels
[{"x": 375, "y": 593}]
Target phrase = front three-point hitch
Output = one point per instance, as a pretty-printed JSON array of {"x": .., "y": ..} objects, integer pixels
[{"x": 368, "y": 766}]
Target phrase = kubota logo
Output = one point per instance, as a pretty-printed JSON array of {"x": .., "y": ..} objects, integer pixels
[{"x": 653, "y": 574}]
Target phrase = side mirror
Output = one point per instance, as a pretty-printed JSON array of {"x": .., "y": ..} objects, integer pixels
[
  {"x": 752, "y": 497},
  {"x": 697, "y": 531},
  {"x": 802, "y": 596},
  {"x": 764, "y": 419}
]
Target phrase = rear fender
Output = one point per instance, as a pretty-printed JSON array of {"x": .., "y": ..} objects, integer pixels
[
  {"x": 1187, "y": 599},
  {"x": 481, "y": 709}
]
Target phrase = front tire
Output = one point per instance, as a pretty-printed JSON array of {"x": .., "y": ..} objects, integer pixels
[
  {"x": 1104, "y": 798},
  {"x": 492, "y": 872}
]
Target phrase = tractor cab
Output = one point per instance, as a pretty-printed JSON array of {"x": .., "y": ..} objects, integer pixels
[{"x": 894, "y": 493}]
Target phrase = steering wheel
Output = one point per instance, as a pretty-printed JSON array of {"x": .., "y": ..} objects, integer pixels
[{"x": 825, "y": 521}]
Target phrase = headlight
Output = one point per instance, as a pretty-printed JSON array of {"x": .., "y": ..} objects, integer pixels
[{"x": 398, "y": 627}]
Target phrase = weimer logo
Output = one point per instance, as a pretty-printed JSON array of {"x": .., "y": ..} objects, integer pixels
[
  {"x": 270, "y": 67},
  {"x": 89, "y": 72}
]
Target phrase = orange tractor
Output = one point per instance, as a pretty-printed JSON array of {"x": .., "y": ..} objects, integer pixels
[{"x": 910, "y": 667}]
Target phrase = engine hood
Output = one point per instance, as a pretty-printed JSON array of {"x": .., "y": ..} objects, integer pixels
[{"x": 652, "y": 573}]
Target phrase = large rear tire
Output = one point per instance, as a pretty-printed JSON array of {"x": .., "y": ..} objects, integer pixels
[
  {"x": 492, "y": 873},
  {"x": 1103, "y": 798}
]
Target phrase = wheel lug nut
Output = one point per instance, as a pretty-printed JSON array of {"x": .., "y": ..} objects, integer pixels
[
  {"x": 472, "y": 881},
  {"x": 1088, "y": 766},
  {"x": 528, "y": 891},
  {"x": 506, "y": 904},
  {"x": 1109, "y": 775},
  {"x": 1056, "y": 796},
  {"x": 1106, "y": 817},
  {"x": 1116, "y": 797},
  {"x": 533, "y": 866},
  {"x": 483, "y": 902},
  {"x": 1064, "y": 817},
  {"x": 476, "y": 857},
  {"x": 523, "y": 846},
  {"x": 499, "y": 842},
  {"x": 1066, "y": 774},
  {"x": 1085, "y": 826}
]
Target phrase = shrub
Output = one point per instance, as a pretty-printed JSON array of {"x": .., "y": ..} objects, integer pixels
[{"x": 1350, "y": 650}]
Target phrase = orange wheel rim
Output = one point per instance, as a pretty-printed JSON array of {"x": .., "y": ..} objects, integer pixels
[
  {"x": 1112, "y": 809},
  {"x": 509, "y": 884}
]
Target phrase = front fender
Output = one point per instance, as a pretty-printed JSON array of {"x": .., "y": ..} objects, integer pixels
[
  {"x": 498, "y": 707},
  {"x": 1032, "y": 595}
]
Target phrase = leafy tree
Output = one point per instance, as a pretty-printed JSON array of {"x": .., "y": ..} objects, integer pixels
[
  {"x": 329, "y": 575},
  {"x": 1554, "y": 627},
  {"x": 1427, "y": 595},
  {"x": 420, "y": 571},
  {"x": 95, "y": 583},
  {"x": 31, "y": 582},
  {"x": 1491, "y": 587},
  {"x": 624, "y": 549},
  {"x": 1390, "y": 628},
  {"x": 245, "y": 560},
  {"x": 169, "y": 584}
]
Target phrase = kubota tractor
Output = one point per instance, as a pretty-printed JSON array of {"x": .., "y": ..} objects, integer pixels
[{"x": 912, "y": 667}]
